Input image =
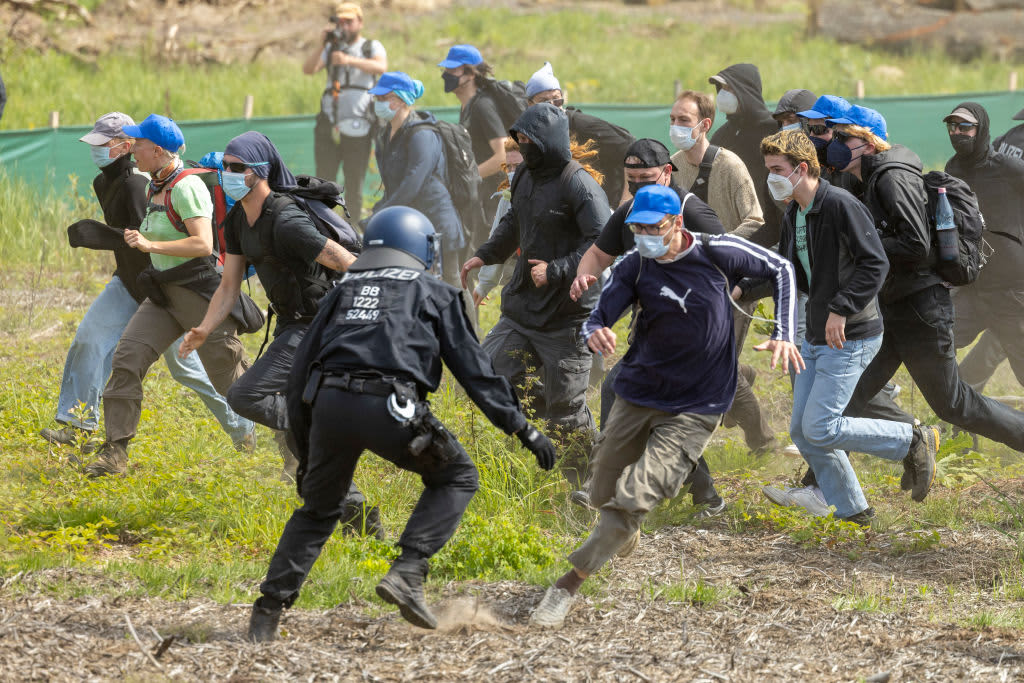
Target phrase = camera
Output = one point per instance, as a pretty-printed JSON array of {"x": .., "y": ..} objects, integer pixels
[{"x": 336, "y": 39}]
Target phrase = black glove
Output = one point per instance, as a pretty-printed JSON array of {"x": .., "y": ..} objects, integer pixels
[{"x": 539, "y": 445}]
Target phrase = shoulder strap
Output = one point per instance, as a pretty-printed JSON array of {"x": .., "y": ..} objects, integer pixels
[
  {"x": 367, "y": 48},
  {"x": 700, "y": 184},
  {"x": 172, "y": 215}
]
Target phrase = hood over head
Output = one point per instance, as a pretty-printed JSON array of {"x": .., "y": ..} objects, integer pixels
[
  {"x": 745, "y": 82},
  {"x": 979, "y": 150},
  {"x": 547, "y": 126},
  {"x": 904, "y": 155}
]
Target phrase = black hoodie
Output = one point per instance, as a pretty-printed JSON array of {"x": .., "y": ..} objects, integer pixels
[
  {"x": 743, "y": 131},
  {"x": 121, "y": 191},
  {"x": 998, "y": 180},
  {"x": 549, "y": 223}
]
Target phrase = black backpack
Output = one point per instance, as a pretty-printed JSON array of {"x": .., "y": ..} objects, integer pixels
[
  {"x": 970, "y": 224},
  {"x": 463, "y": 181},
  {"x": 509, "y": 99}
]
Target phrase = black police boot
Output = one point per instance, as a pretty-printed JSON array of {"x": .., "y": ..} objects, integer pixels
[
  {"x": 402, "y": 586},
  {"x": 362, "y": 520},
  {"x": 266, "y": 614}
]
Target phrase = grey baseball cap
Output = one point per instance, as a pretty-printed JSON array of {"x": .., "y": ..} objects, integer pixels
[{"x": 107, "y": 127}]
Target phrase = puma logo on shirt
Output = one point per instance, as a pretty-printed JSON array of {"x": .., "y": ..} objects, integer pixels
[{"x": 665, "y": 291}]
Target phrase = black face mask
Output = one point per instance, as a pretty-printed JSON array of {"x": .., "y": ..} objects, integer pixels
[
  {"x": 634, "y": 186},
  {"x": 533, "y": 157},
  {"x": 451, "y": 81},
  {"x": 963, "y": 144},
  {"x": 821, "y": 147}
]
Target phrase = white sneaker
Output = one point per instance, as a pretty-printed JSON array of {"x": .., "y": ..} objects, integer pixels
[
  {"x": 797, "y": 496},
  {"x": 553, "y": 608},
  {"x": 791, "y": 450}
]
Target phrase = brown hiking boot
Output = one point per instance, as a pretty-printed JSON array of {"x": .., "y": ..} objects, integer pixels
[
  {"x": 920, "y": 461},
  {"x": 111, "y": 459},
  {"x": 70, "y": 436}
]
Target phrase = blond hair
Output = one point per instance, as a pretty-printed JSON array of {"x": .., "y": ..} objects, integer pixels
[
  {"x": 864, "y": 134},
  {"x": 581, "y": 153},
  {"x": 796, "y": 147}
]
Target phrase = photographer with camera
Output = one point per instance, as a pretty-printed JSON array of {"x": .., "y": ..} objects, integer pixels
[{"x": 344, "y": 128}]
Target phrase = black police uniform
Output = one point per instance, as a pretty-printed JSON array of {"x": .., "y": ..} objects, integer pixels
[{"x": 385, "y": 329}]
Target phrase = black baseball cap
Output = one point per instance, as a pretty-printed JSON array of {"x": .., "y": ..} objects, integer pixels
[{"x": 650, "y": 154}]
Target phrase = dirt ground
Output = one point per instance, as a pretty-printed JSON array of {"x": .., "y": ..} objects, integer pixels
[{"x": 782, "y": 624}]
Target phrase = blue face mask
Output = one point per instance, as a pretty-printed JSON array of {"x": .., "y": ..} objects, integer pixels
[
  {"x": 650, "y": 246},
  {"x": 383, "y": 110},
  {"x": 839, "y": 155},
  {"x": 792, "y": 126},
  {"x": 101, "y": 156},
  {"x": 234, "y": 185}
]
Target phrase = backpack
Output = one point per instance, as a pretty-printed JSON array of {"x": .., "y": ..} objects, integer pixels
[
  {"x": 970, "y": 224},
  {"x": 509, "y": 99},
  {"x": 210, "y": 178},
  {"x": 700, "y": 183},
  {"x": 563, "y": 179},
  {"x": 463, "y": 181}
]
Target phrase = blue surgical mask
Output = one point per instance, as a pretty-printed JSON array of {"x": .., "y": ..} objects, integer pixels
[
  {"x": 101, "y": 156},
  {"x": 792, "y": 126},
  {"x": 383, "y": 110},
  {"x": 234, "y": 185},
  {"x": 651, "y": 246},
  {"x": 511, "y": 175}
]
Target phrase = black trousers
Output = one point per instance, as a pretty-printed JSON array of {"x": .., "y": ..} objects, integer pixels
[
  {"x": 702, "y": 486},
  {"x": 335, "y": 448},
  {"x": 352, "y": 155},
  {"x": 1000, "y": 315},
  {"x": 259, "y": 393},
  {"x": 919, "y": 334}
]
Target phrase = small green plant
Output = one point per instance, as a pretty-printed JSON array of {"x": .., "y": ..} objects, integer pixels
[{"x": 697, "y": 592}]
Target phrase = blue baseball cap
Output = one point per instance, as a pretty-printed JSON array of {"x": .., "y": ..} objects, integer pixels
[
  {"x": 865, "y": 118},
  {"x": 391, "y": 81},
  {"x": 652, "y": 203},
  {"x": 827, "y": 107},
  {"x": 461, "y": 55},
  {"x": 160, "y": 130}
]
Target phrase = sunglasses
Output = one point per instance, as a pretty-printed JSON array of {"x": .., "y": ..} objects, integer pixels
[
  {"x": 961, "y": 127},
  {"x": 815, "y": 128},
  {"x": 241, "y": 167},
  {"x": 558, "y": 103}
]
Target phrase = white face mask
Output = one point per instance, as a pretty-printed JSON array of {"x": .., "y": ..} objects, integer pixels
[
  {"x": 727, "y": 102},
  {"x": 780, "y": 186},
  {"x": 682, "y": 137}
]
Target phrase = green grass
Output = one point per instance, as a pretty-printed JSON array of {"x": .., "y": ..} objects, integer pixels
[{"x": 599, "y": 56}]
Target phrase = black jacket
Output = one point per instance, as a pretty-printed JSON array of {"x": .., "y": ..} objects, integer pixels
[
  {"x": 611, "y": 142},
  {"x": 848, "y": 263},
  {"x": 898, "y": 202},
  {"x": 548, "y": 225},
  {"x": 122, "y": 196},
  {"x": 401, "y": 322},
  {"x": 998, "y": 181},
  {"x": 743, "y": 131}
]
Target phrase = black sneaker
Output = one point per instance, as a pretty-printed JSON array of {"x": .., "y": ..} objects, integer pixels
[
  {"x": 402, "y": 586},
  {"x": 70, "y": 436},
  {"x": 264, "y": 620},
  {"x": 862, "y": 518},
  {"x": 920, "y": 461},
  {"x": 362, "y": 520}
]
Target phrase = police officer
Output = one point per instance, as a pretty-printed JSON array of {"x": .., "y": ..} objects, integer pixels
[{"x": 374, "y": 350}]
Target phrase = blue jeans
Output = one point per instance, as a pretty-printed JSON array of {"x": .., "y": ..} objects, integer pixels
[
  {"x": 824, "y": 435},
  {"x": 89, "y": 359}
]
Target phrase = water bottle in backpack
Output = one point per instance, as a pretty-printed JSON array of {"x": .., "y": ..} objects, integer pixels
[{"x": 945, "y": 228}]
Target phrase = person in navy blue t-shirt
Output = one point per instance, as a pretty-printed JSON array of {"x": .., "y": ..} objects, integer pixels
[{"x": 678, "y": 376}]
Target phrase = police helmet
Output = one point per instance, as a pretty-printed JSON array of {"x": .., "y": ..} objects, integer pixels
[{"x": 399, "y": 236}]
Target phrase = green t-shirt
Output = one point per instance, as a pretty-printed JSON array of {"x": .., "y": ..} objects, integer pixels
[
  {"x": 801, "y": 240},
  {"x": 190, "y": 199}
]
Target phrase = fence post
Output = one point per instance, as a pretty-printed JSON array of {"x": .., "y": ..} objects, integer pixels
[
  {"x": 1013, "y": 81},
  {"x": 813, "y": 18},
  {"x": 860, "y": 89},
  {"x": 677, "y": 88},
  {"x": 247, "y": 107},
  {"x": 54, "y": 119}
]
